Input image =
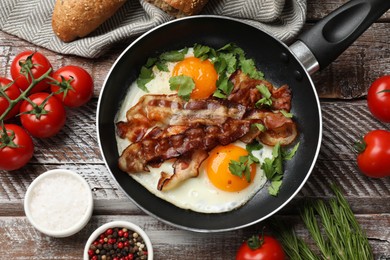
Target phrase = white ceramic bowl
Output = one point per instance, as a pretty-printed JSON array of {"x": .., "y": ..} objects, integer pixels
[
  {"x": 58, "y": 203},
  {"x": 119, "y": 224}
]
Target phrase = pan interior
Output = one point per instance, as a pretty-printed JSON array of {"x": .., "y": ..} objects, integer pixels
[{"x": 279, "y": 66}]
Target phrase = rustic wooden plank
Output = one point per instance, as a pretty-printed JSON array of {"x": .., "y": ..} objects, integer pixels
[
  {"x": 168, "y": 242},
  {"x": 351, "y": 74},
  {"x": 317, "y": 9},
  {"x": 343, "y": 123}
]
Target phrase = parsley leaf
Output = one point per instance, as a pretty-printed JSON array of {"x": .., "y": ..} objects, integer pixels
[
  {"x": 145, "y": 76},
  {"x": 243, "y": 165},
  {"x": 183, "y": 84},
  {"x": 173, "y": 55},
  {"x": 254, "y": 146},
  {"x": 224, "y": 87},
  {"x": 273, "y": 189},
  {"x": 203, "y": 52},
  {"x": 260, "y": 127},
  {"x": 248, "y": 67},
  {"x": 288, "y": 155},
  {"x": 266, "y": 96},
  {"x": 286, "y": 114},
  {"x": 273, "y": 167}
]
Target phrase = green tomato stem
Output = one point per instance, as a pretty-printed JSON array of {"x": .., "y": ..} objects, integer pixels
[{"x": 24, "y": 94}]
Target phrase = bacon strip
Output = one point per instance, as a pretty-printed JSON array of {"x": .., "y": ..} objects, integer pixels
[
  {"x": 163, "y": 127},
  {"x": 156, "y": 149},
  {"x": 185, "y": 167}
]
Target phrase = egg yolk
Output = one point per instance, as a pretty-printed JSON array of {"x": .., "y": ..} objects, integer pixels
[
  {"x": 202, "y": 72},
  {"x": 217, "y": 168}
]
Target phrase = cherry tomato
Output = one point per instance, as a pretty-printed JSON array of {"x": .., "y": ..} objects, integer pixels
[
  {"x": 16, "y": 147},
  {"x": 378, "y": 98},
  {"x": 374, "y": 154},
  {"x": 261, "y": 248},
  {"x": 75, "y": 86},
  {"x": 12, "y": 92},
  {"x": 45, "y": 118},
  {"x": 37, "y": 63}
]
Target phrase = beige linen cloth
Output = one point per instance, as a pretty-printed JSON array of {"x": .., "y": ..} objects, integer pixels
[{"x": 31, "y": 20}]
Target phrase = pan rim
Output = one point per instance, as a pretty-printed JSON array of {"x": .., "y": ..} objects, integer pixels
[{"x": 200, "y": 230}]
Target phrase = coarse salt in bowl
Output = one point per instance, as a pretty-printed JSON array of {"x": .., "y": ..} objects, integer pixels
[
  {"x": 58, "y": 203},
  {"x": 130, "y": 227}
]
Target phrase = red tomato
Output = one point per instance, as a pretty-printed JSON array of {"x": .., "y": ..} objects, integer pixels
[
  {"x": 13, "y": 93},
  {"x": 75, "y": 86},
  {"x": 374, "y": 154},
  {"x": 37, "y": 63},
  {"x": 16, "y": 147},
  {"x": 378, "y": 98},
  {"x": 44, "y": 119},
  {"x": 255, "y": 249}
]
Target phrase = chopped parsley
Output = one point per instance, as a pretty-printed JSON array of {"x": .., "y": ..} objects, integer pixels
[
  {"x": 242, "y": 167},
  {"x": 273, "y": 167},
  {"x": 183, "y": 84},
  {"x": 266, "y": 96},
  {"x": 286, "y": 114},
  {"x": 226, "y": 60}
]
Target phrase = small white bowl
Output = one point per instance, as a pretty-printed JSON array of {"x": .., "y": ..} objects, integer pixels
[
  {"x": 119, "y": 224},
  {"x": 58, "y": 203}
]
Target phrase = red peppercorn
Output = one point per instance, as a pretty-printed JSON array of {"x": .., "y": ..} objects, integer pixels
[
  {"x": 101, "y": 236},
  {"x": 101, "y": 241},
  {"x": 120, "y": 245},
  {"x": 109, "y": 231},
  {"x": 120, "y": 233},
  {"x": 95, "y": 243},
  {"x": 126, "y": 243},
  {"x": 126, "y": 234},
  {"x": 130, "y": 256},
  {"x": 91, "y": 252},
  {"x": 94, "y": 257}
]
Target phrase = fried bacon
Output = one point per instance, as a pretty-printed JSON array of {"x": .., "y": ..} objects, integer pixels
[
  {"x": 158, "y": 148},
  {"x": 164, "y": 127},
  {"x": 185, "y": 167},
  {"x": 246, "y": 93}
]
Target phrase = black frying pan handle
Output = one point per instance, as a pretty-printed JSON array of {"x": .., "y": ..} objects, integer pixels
[{"x": 332, "y": 35}]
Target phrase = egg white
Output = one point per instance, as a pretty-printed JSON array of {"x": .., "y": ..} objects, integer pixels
[{"x": 197, "y": 194}]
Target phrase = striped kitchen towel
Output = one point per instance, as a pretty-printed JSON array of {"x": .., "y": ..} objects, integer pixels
[{"x": 31, "y": 20}]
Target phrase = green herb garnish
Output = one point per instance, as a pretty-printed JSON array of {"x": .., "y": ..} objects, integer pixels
[
  {"x": 183, "y": 84},
  {"x": 226, "y": 61},
  {"x": 273, "y": 167},
  {"x": 242, "y": 166},
  {"x": 266, "y": 96},
  {"x": 286, "y": 114}
]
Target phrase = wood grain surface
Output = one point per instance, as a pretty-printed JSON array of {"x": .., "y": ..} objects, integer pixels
[{"x": 342, "y": 87}]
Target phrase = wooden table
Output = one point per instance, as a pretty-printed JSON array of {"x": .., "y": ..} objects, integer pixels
[{"x": 342, "y": 87}]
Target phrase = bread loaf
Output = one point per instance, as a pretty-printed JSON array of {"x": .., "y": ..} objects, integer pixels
[
  {"x": 77, "y": 18},
  {"x": 180, "y": 8}
]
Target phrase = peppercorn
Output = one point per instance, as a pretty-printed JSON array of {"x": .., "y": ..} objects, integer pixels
[{"x": 118, "y": 244}]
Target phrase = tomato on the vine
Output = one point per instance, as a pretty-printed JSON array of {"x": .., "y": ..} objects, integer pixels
[
  {"x": 374, "y": 154},
  {"x": 16, "y": 147},
  {"x": 75, "y": 86},
  {"x": 261, "y": 248},
  {"x": 44, "y": 116},
  {"x": 13, "y": 92},
  {"x": 37, "y": 63},
  {"x": 378, "y": 98}
]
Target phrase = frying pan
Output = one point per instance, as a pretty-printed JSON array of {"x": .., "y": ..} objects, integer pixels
[{"x": 281, "y": 64}]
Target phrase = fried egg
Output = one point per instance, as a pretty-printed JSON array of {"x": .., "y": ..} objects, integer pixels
[{"x": 215, "y": 190}]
